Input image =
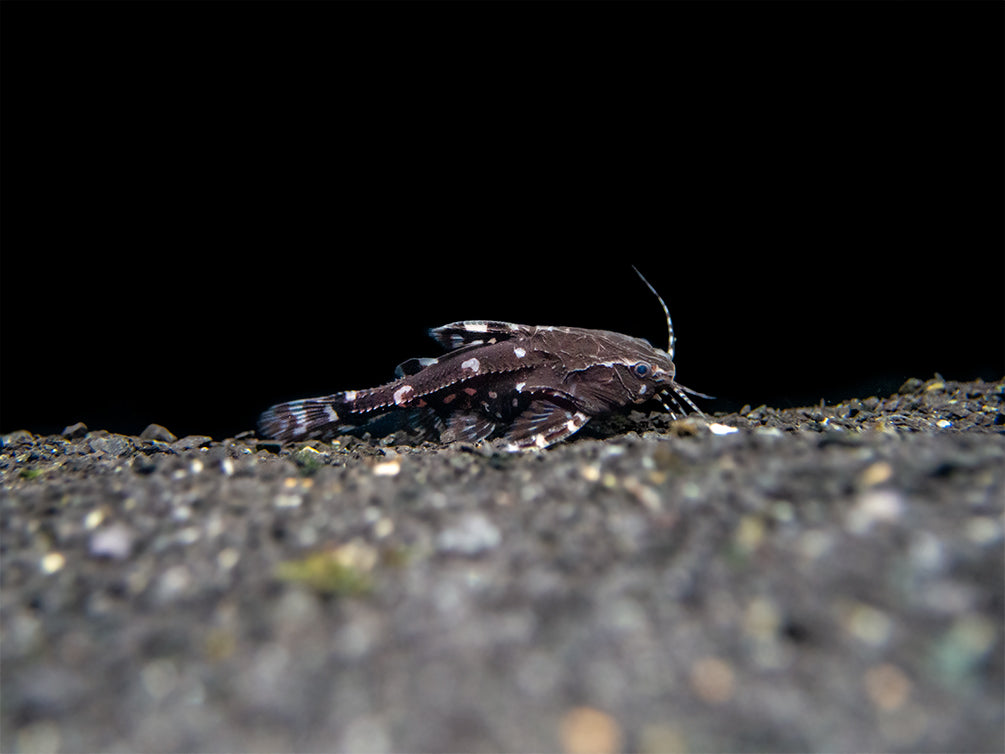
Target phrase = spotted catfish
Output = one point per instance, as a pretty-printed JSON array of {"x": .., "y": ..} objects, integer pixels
[{"x": 531, "y": 385}]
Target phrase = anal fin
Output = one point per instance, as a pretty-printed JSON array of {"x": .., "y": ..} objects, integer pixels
[{"x": 418, "y": 423}]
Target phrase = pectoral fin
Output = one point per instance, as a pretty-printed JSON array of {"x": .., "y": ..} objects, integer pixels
[
  {"x": 543, "y": 423},
  {"x": 469, "y": 426}
]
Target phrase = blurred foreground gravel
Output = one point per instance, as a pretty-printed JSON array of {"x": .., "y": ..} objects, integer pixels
[{"x": 825, "y": 578}]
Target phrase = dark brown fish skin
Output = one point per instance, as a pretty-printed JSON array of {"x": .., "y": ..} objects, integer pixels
[{"x": 533, "y": 385}]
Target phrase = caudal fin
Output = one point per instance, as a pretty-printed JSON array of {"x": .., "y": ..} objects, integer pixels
[{"x": 299, "y": 420}]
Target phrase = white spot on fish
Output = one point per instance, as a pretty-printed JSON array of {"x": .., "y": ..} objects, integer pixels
[
  {"x": 349, "y": 395},
  {"x": 471, "y": 364},
  {"x": 330, "y": 413},
  {"x": 520, "y": 386},
  {"x": 642, "y": 389},
  {"x": 402, "y": 393},
  {"x": 476, "y": 327},
  {"x": 519, "y": 352}
]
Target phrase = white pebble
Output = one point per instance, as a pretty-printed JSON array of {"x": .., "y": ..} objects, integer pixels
[
  {"x": 983, "y": 530},
  {"x": 387, "y": 468},
  {"x": 115, "y": 541},
  {"x": 873, "y": 507},
  {"x": 471, "y": 535},
  {"x": 52, "y": 562},
  {"x": 285, "y": 500},
  {"x": 227, "y": 558},
  {"x": 93, "y": 519}
]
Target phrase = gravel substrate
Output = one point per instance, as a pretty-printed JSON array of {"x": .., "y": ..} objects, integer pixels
[{"x": 820, "y": 579}]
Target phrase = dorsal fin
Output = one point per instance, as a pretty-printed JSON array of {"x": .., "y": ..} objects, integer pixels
[
  {"x": 476, "y": 332},
  {"x": 412, "y": 366}
]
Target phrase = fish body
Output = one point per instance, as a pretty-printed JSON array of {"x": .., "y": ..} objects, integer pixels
[{"x": 531, "y": 385}]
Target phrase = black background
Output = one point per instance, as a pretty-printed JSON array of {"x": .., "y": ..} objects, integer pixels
[{"x": 210, "y": 208}]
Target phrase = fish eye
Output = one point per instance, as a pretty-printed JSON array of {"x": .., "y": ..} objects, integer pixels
[{"x": 641, "y": 369}]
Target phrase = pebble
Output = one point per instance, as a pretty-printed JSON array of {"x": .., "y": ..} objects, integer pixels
[
  {"x": 661, "y": 738},
  {"x": 586, "y": 730},
  {"x": 874, "y": 507},
  {"x": 144, "y": 464},
  {"x": 647, "y": 496},
  {"x": 75, "y": 431},
  {"x": 888, "y": 686},
  {"x": 115, "y": 542},
  {"x": 269, "y": 446},
  {"x": 472, "y": 534},
  {"x": 959, "y": 650},
  {"x": 713, "y": 680},
  {"x": 94, "y": 519},
  {"x": 983, "y": 530},
  {"x": 387, "y": 468},
  {"x": 876, "y": 474},
  {"x": 52, "y": 562},
  {"x": 113, "y": 445},
  {"x": 383, "y": 528},
  {"x": 749, "y": 534},
  {"x": 866, "y": 623},
  {"x": 288, "y": 500},
  {"x": 308, "y": 457},
  {"x": 558, "y": 612},
  {"x": 228, "y": 558},
  {"x": 174, "y": 582},
  {"x": 192, "y": 441},
  {"x": 344, "y": 570},
  {"x": 17, "y": 437},
  {"x": 158, "y": 433},
  {"x": 41, "y": 737},
  {"x": 366, "y": 734}
]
